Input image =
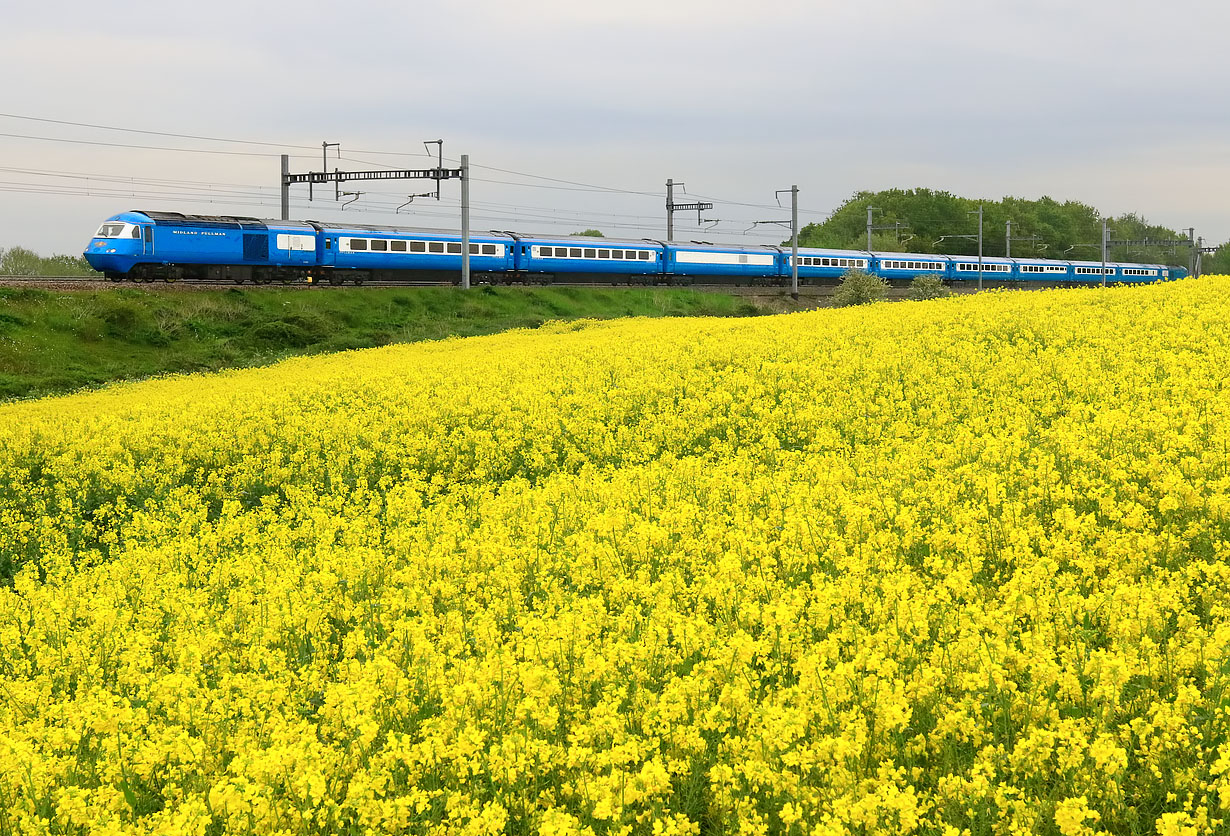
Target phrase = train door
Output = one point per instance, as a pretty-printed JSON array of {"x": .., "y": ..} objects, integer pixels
[
  {"x": 147, "y": 240},
  {"x": 300, "y": 249}
]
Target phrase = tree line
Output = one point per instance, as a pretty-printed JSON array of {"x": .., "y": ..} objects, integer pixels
[
  {"x": 936, "y": 221},
  {"x": 18, "y": 261}
]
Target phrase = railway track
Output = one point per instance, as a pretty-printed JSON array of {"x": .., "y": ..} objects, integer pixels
[
  {"x": 86, "y": 283},
  {"x": 811, "y": 292}
]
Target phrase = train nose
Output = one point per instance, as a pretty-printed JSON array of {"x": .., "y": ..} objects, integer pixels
[{"x": 103, "y": 255}]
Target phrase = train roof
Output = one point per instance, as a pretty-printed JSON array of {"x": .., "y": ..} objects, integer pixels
[
  {"x": 702, "y": 246},
  {"x": 986, "y": 259},
  {"x": 180, "y": 216},
  {"x": 918, "y": 256},
  {"x": 1118, "y": 264},
  {"x": 590, "y": 241},
  {"x": 833, "y": 251},
  {"x": 400, "y": 230}
]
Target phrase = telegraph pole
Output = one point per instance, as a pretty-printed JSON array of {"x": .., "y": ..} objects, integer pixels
[
  {"x": 980, "y": 246},
  {"x": 1106, "y": 237},
  {"x": 672, "y": 207},
  {"x": 979, "y": 214},
  {"x": 465, "y": 221},
  {"x": 794, "y": 242},
  {"x": 794, "y": 235},
  {"x": 285, "y": 187},
  {"x": 670, "y": 213},
  {"x": 870, "y": 209}
]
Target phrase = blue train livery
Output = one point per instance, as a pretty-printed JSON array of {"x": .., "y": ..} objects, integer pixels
[{"x": 144, "y": 246}]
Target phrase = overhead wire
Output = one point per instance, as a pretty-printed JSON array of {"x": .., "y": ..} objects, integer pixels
[
  {"x": 559, "y": 184},
  {"x": 143, "y": 147},
  {"x": 520, "y": 210},
  {"x": 233, "y": 198}
]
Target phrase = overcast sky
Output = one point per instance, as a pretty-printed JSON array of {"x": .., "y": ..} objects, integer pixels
[{"x": 1117, "y": 103}]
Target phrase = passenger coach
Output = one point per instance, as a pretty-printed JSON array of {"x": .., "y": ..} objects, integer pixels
[
  {"x": 580, "y": 258},
  {"x": 905, "y": 266},
  {"x": 816, "y": 265},
  {"x": 687, "y": 262},
  {"x": 359, "y": 253}
]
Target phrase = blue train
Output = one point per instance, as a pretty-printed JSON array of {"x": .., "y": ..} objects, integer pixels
[{"x": 145, "y": 246}]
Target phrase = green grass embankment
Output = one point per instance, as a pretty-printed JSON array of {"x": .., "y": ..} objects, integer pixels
[{"x": 52, "y": 342}]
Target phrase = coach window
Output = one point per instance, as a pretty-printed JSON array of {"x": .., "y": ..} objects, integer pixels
[
  {"x": 591, "y": 253},
  {"x": 435, "y": 247},
  {"x": 488, "y": 249},
  {"x": 474, "y": 250},
  {"x": 604, "y": 253},
  {"x": 418, "y": 246},
  {"x": 380, "y": 245},
  {"x": 358, "y": 244},
  {"x": 454, "y": 248},
  {"x": 397, "y": 246}
]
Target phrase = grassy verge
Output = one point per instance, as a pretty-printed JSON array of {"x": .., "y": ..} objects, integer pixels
[{"x": 53, "y": 342}]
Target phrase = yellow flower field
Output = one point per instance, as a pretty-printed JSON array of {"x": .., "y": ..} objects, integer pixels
[{"x": 935, "y": 568}]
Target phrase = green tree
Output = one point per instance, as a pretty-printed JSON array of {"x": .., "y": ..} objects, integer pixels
[{"x": 591, "y": 233}]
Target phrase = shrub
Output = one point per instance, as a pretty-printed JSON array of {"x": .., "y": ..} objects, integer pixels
[
  {"x": 928, "y": 286},
  {"x": 858, "y": 287}
]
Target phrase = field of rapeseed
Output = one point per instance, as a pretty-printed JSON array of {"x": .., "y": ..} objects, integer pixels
[{"x": 936, "y": 568}]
